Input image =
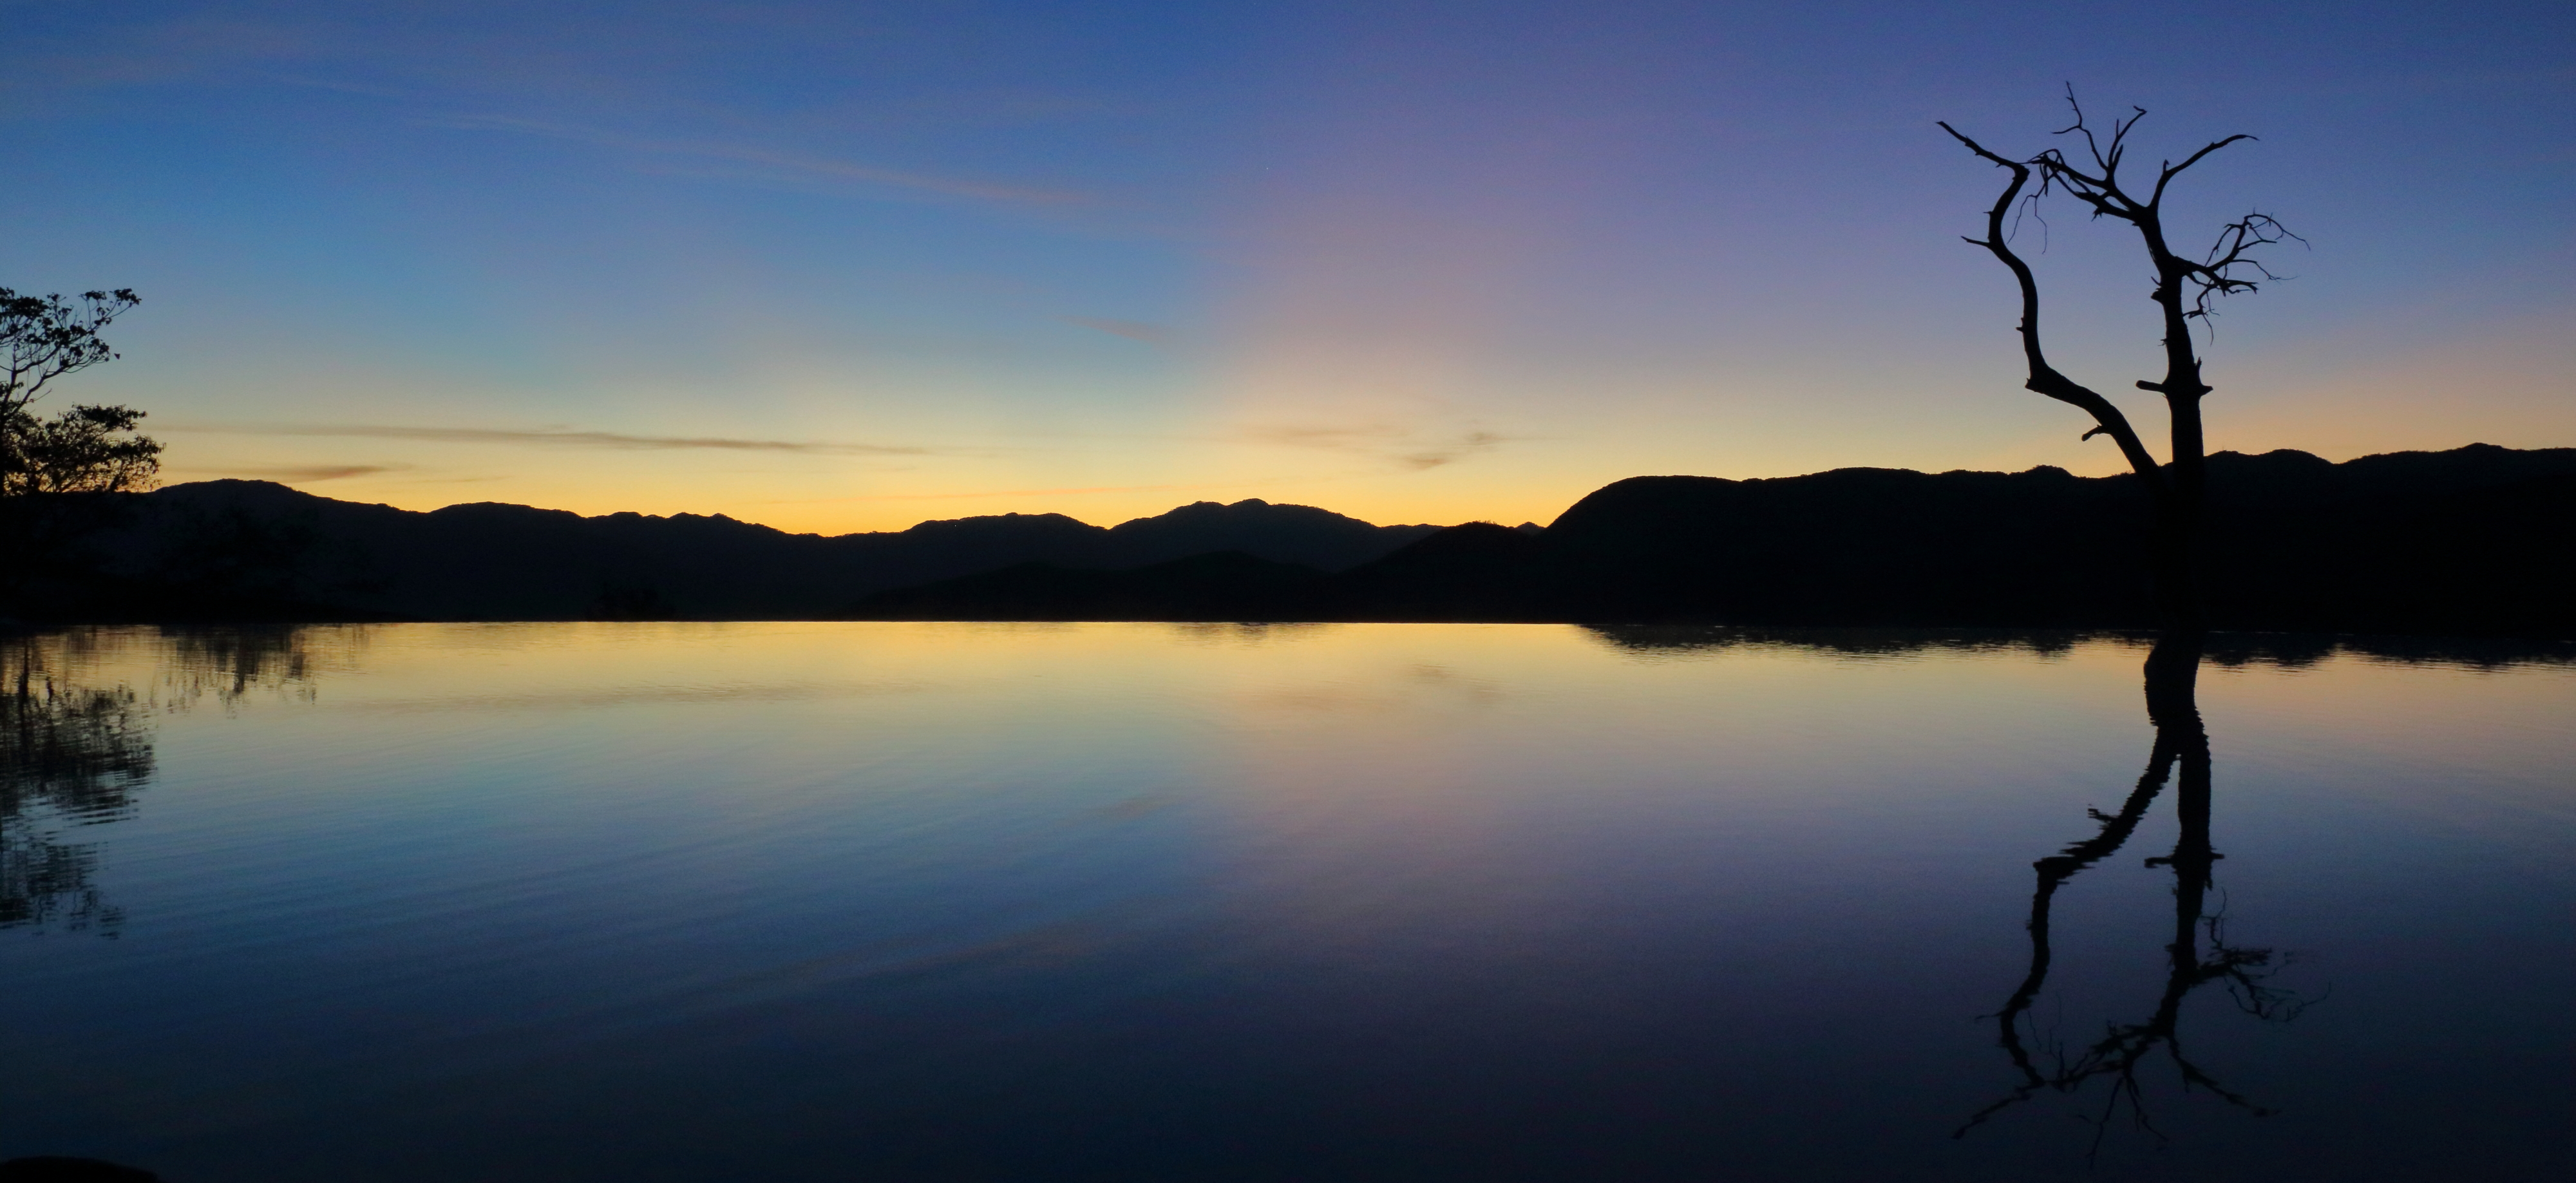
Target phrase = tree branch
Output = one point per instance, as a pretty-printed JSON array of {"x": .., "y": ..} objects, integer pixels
[
  {"x": 2237, "y": 241},
  {"x": 45, "y": 337},
  {"x": 2044, "y": 378},
  {"x": 2171, "y": 171}
]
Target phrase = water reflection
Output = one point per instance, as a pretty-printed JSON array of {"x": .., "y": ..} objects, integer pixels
[
  {"x": 71, "y": 756},
  {"x": 1652, "y": 639},
  {"x": 2181, "y": 739},
  {"x": 2285, "y": 650},
  {"x": 2198, "y": 955},
  {"x": 76, "y": 746},
  {"x": 1133, "y": 901},
  {"x": 227, "y": 664}
]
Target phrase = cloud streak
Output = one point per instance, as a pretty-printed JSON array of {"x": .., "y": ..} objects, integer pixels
[
  {"x": 808, "y": 167},
  {"x": 300, "y": 474},
  {"x": 1133, "y": 330},
  {"x": 1335, "y": 439},
  {"x": 1006, "y": 493},
  {"x": 557, "y": 438},
  {"x": 1402, "y": 446},
  {"x": 1465, "y": 446}
]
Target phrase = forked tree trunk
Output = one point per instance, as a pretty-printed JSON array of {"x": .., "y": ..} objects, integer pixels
[{"x": 2177, "y": 488}]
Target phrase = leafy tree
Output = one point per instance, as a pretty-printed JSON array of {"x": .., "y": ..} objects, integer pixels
[
  {"x": 83, "y": 450},
  {"x": 2185, "y": 286},
  {"x": 87, "y": 449}
]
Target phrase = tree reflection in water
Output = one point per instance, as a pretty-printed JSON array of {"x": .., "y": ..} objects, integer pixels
[
  {"x": 70, "y": 756},
  {"x": 74, "y": 754},
  {"x": 228, "y": 664},
  {"x": 2172, "y": 676}
]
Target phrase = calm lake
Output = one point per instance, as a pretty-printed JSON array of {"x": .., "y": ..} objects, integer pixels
[{"x": 1120, "y": 902}]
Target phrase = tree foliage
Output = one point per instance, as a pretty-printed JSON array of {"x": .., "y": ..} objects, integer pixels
[
  {"x": 87, "y": 449},
  {"x": 83, "y": 450}
]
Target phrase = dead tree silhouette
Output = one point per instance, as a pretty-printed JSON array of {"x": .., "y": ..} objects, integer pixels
[
  {"x": 2181, "y": 744},
  {"x": 2176, "y": 490},
  {"x": 2184, "y": 290}
]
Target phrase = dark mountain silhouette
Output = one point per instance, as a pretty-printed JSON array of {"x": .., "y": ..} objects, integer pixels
[
  {"x": 255, "y": 550},
  {"x": 2474, "y": 540},
  {"x": 1300, "y": 534}
]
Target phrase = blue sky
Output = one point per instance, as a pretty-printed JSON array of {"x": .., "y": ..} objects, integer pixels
[{"x": 849, "y": 266}]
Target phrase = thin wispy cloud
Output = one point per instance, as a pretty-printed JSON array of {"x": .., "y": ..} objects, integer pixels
[
  {"x": 809, "y": 167},
  {"x": 300, "y": 474},
  {"x": 557, "y": 438},
  {"x": 1404, "y": 447},
  {"x": 1133, "y": 330},
  {"x": 1367, "y": 438},
  {"x": 1005, "y": 493},
  {"x": 1465, "y": 446},
  {"x": 341, "y": 86}
]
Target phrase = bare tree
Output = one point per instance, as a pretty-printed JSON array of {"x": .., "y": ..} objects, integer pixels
[
  {"x": 2181, "y": 742},
  {"x": 2184, "y": 290}
]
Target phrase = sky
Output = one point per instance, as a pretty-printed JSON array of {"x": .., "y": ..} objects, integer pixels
[{"x": 851, "y": 266}]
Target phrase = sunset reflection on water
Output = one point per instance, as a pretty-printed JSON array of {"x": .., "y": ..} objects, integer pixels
[{"x": 684, "y": 901}]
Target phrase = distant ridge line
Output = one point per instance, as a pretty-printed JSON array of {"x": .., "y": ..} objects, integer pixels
[{"x": 2472, "y": 540}]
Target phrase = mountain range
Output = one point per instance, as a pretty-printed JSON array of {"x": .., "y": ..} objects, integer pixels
[
  {"x": 2478, "y": 539},
  {"x": 234, "y": 549}
]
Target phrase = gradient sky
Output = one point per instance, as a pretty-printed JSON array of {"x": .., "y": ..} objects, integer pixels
[{"x": 849, "y": 266}]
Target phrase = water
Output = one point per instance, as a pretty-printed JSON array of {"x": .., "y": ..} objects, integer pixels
[{"x": 897, "y": 901}]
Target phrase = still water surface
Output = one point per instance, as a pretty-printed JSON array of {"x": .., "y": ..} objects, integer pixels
[{"x": 896, "y": 901}]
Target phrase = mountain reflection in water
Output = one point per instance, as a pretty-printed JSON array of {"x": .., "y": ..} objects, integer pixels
[{"x": 1282, "y": 902}]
